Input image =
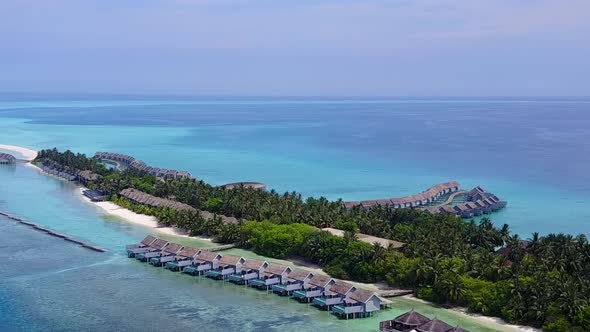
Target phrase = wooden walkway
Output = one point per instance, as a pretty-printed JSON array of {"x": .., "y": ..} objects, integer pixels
[
  {"x": 52, "y": 233},
  {"x": 221, "y": 248}
]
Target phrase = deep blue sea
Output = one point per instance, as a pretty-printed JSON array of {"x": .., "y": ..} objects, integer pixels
[{"x": 533, "y": 153}]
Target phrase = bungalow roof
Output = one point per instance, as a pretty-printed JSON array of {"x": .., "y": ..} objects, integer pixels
[
  {"x": 434, "y": 325},
  {"x": 148, "y": 240},
  {"x": 299, "y": 275},
  {"x": 253, "y": 264},
  {"x": 361, "y": 295},
  {"x": 320, "y": 280},
  {"x": 411, "y": 318}
]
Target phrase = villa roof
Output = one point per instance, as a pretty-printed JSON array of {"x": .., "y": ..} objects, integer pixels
[
  {"x": 159, "y": 244},
  {"x": 341, "y": 287},
  {"x": 412, "y": 318},
  {"x": 173, "y": 248},
  {"x": 434, "y": 325},
  {"x": 299, "y": 275},
  {"x": 276, "y": 269},
  {"x": 429, "y": 193},
  {"x": 189, "y": 252},
  {"x": 208, "y": 256},
  {"x": 320, "y": 280},
  {"x": 253, "y": 264},
  {"x": 230, "y": 260},
  {"x": 148, "y": 240},
  {"x": 361, "y": 295}
]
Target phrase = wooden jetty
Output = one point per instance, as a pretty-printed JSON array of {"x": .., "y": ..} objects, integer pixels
[{"x": 52, "y": 233}]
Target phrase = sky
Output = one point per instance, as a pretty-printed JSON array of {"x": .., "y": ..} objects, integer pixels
[{"x": 297, "y": 48}]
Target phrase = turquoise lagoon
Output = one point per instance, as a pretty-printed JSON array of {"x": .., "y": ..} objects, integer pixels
[{"x": 532, "y": 153}]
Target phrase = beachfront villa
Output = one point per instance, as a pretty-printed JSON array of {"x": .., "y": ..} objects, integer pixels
[
  {"x": 316, "y": 287},
  {"x": 167, "y": 255},
  {"x": 205, "y": 261},
  {"x": 7, "y": 159},
  {"x": 414, "y": 321},
  {"x": 228, "y": 265},
  {"x": 185, "y": 257},
  {"x": 251, "y": 269},
  {"x": 296, "y": 280}
]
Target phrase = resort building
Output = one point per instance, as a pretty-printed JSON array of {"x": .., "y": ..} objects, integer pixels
[
  {"x": 184, "y": 258},
  {"x": 414, "y": 321},
  {"x": 358, "y": 303},
  {"x": 132, "y": 163},
  {"x": 428, "y": 196},
  {"x": 7, "y": 159},
  {"x": 205, "y": 261},
  {"x": 274, "y": 274},
  {"x": 334, "y": 295},
  {"x": 297, "y": 279},
  {"x": 316, "y": 287},
  {"x": 154, "y": 250},
  {"x": 95, "y": 195},
  {"x": 167, "y": 255},
  {"x": 141, "y": 247},
  {"x": 344, "y": 299},
  {"x": 228, "y": 265},
  {"x": 251, "y": 269}
]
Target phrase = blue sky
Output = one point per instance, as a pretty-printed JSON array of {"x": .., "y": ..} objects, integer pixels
[{"x": 303, "y": 47}]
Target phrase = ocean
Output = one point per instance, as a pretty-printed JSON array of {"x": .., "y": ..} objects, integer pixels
[{"x": 532, "y": 153}]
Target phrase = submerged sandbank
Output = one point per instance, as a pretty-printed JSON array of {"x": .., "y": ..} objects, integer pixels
[{"x": 26, "y": 153}]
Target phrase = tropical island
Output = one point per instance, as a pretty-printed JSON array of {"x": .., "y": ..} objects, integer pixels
[{"x": 543, "y": 282}]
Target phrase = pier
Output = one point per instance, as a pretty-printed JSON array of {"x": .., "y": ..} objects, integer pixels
[
  {"x": 336, "y": 296},
  {"x": 52, "y": 233}
]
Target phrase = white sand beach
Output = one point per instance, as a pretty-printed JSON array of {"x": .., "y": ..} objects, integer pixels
[
  {"x": 113, "y": 209},
  {"x": 26, "y": 153}
]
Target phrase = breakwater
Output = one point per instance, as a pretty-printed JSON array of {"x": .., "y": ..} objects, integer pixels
[{"x": 52, "y": 233}]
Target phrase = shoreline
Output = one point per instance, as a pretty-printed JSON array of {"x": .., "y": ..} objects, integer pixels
[
  {"x": 26, "y": 153},
  {"x": 127, "y": 215},
  {"x": 151, "y": 222}
]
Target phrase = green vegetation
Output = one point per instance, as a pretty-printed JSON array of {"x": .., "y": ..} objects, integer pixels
[{"x": 544, "y": 282}]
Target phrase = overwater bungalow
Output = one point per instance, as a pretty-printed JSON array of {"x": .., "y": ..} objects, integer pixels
[
  {"x": 185, "y": 257},
  {"x": 154, "y": 250},
  {"x": 167, "y": 254},
  {"x": 334, "y": 295},
  {"x": 251, "y": 269},
  {"x": 228, "y": 265},
  {"x": 7, "y": 159},
  {"x": 141, "y": 247},
  {"x": 296, "y": 280},
  {"x": 358, "y": 303},
  {"x": 316, "y": 287},
  {"x": 425, "y": 197},
  {"x": 205, "y": 261},
  {"x": 131, "y": 162},
  {"x": 404, "y": 323},
  {"x": 475, "y": 209},
  {"x": 274, "y": 274}
]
